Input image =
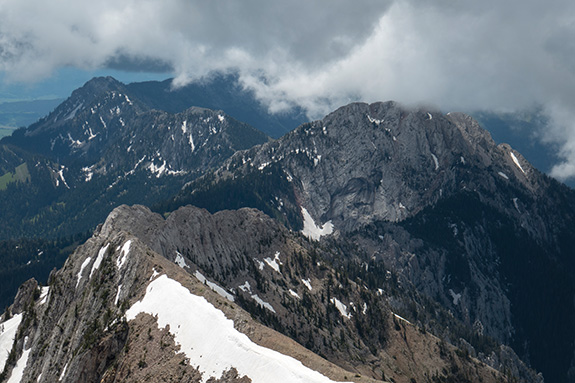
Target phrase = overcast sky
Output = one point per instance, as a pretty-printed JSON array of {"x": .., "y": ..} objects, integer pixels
[{"x": 454, "y": 54}]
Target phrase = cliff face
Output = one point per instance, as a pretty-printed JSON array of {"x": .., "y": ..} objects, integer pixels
[
  {"x": 468, "y": 223},
  {"x": 120, "y": 310}
]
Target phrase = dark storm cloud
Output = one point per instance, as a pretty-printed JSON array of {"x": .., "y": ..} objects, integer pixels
[{"x": 456, "y": 54}]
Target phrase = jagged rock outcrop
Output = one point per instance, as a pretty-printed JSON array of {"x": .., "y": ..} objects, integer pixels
[{"x": 110, "y": 314}]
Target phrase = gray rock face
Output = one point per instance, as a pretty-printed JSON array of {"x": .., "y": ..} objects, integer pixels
[
  {"x": 76, "y": 330},
  {"x": 364, "y": 163},
  {"x": 435, "y": 199}
]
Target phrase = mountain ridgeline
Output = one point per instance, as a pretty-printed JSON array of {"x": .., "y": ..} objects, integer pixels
[
  {"x": 381, "y": 243},
  {"x": 103, "y": 147},
  {"x": 470, "y": 224}
]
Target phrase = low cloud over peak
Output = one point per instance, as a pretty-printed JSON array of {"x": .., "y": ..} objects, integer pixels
[{"x": 459, "y": 55}]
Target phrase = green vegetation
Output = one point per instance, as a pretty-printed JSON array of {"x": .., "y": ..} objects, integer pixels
[{"x": 21, "y": 174}]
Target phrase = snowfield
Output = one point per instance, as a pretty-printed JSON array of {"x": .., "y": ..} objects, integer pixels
[
  {"x": 311, "y": 230},
  {"x": 8, "y": 331},
  {"x": 210, "y": 340}
]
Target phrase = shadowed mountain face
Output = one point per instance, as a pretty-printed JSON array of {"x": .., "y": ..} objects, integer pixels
[{"x": 102, "y": 147}]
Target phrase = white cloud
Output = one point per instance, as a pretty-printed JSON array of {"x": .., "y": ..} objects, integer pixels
[{"x": 459, "y": 55}]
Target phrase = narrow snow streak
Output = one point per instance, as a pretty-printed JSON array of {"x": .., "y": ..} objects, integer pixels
[
  {"x": 210, "y": 340},
  {"x": 118, "y": 295},
  {"x": 124, "y": 254},
  {"x": 218, "y": 289},
  {"x": 263, "y": 303},
  {"x": 99, "y": 259},
  {"x": 435, "y": 160},
  {"x": 84, "y": 264},
  {"x": 516, "y": 162},
  {"x": 63, "y": 372}
]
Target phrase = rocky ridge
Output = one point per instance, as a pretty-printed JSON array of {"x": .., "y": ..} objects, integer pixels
[
  {"x": 102, "y": 147},
  {"x": 87, "y": 326},
  {"x": 434, "y": 199}
]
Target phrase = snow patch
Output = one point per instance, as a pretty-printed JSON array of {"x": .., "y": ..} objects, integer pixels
[
  {"x": 516, "y": 204},
  {"x": 154, "y": 274},
  {"x": 341, "y": 308},
  {"x": 84, "y": 264},
  {"x": 401, "y": 318},
  {"x": 61, "y": 174},
  {"x": 261, "y": 265},
  {"x": 311, "y": 230},
  {"x": 516, "y": 161},
  {"x": 294, "y": 294},
  {"x": 210, "y": 341},
  {"x": 63, "y": 372},
  {"x": 264, "y": 165},
  {"x": 124, "y": 254},
  {"x": 263, "y": 304},
  {"x": 503, "y": 175},
  {"x": 246, "y": 288},
  {"x": 44, "y": 294},
  {"x": 180, "y": 261},
  {"x": 191, "y": 139},
  {"x": 273, "y": 263},
  {"x": 99, "y": 259},
  {"x": 157, "y": 170},
  {"x": 221, "y": 118},
  {"x": 429, "y": 116},
  {"x": 223, "y": 293},
  {"x": 307, "y": 283},
  {"x": 103, "y": 122},
  {"x": 88, "y": 173},
  {"x": 118, "y": 295},
  {"x": 8, "y": 331},
  {"x": 18, "y": 371},
  {"x": 373, "y": 120},
  {"x": 435, "y": 160}
]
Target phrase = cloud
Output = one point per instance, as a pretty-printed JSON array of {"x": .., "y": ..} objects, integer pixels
[{"x": 456, "y": 54}]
